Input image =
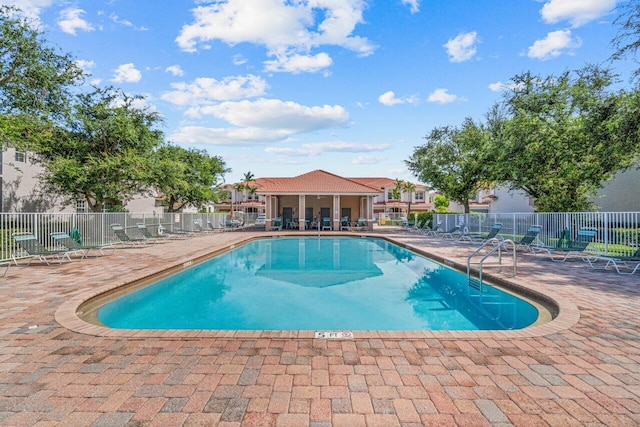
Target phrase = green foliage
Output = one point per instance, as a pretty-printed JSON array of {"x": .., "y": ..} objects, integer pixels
[
  {"x": 453, "y": 161},
  {"x": 627, "y": 40},
  {"x": 104, "y": 155},
  {"x": 186, "y": 176},
  {"x": 425, "y": 218},
  {"x": 441, "y": 203},
  {"x": 562, "y": 136},
  {"x": 35, "y": 79}
]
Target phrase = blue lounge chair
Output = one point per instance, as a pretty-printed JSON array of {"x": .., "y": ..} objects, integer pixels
[
  {"x": 573, "y": 248},
  {"x": 622, "y": 264},
  {"x": 479, "y": 237},
  {"x": 345, "y": 223},
  {"x": 276, "y": 225},
  {"x": 530, "y": 239},
  {"x": 326, "y": 223}
]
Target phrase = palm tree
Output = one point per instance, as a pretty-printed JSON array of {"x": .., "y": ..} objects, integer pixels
[{"x": 409, "y": 187}]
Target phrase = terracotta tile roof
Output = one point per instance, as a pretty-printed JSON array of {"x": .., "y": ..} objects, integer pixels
[{"x": 316, "y": 182}]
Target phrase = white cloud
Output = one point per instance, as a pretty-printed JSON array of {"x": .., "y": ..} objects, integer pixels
[
  {"x": 31, "y": 9},
  {"x": 205, "y": 91},
  {"x": 126, "y": 23},
  {"x": 368, "y": 160},
  {"x": 299, "y": 63},
  {"x": 70, "y": 20},
  {"x": 261, "y": 121},
  {"x": 85, "y": 64},
  {"x": 274, "y": 113},
  {"x": 500, "y": 86},
  {"x": 389, "y": 99},
  {"x": 442, "y": 96},
  {"x": 577, "y": 12},
  {"x": 239, "y": 59},
  {"x": 175, "y": 70},
  {"x": 462, "y": 47},
  {"x": 413, "y": 4},
  {"x": 315, "y": 149},
  {"x": 287, "y": 29},
  {"x": 556, "y": 43},
  {"x": 127, "y": 73}
]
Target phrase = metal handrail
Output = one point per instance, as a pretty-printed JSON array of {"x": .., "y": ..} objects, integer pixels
[{"x": 498, "y": 244}]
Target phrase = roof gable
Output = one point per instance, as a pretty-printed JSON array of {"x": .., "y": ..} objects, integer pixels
[{"x": 318, "y": 182}]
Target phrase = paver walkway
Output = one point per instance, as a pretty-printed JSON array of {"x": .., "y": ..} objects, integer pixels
[{"x": 585, "y": 374}]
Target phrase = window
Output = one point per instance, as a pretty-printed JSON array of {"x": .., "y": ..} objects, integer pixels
[
  {"x": 21, "y": 156},
  {"x": 81, "y": 206},
  {"x": 420, "y": 197}
]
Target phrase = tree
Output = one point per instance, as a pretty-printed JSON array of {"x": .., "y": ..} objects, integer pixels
[
  {"x": 104, "y": 153},
  {"x": 35, "y": 79},
  {"x": 409, "y": 187},
  {"x": 563, "y": 136},
  {"x": 453, "y": 161},
  {"x": 441, "y": 203},
  {"x": 627, "y": 40},
  {"x": 187, "y": 176}
]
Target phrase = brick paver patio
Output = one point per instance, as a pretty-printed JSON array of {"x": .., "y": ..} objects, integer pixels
[{"x": 581, "y": 369}]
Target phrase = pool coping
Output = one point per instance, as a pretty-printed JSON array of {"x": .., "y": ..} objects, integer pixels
[{"x": 67, "y": 316}]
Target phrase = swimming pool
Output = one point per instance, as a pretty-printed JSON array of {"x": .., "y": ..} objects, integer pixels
[{"x": 312, "y": 283}]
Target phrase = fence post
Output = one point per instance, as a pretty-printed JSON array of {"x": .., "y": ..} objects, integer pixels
[{"x": 606, "y": 233}]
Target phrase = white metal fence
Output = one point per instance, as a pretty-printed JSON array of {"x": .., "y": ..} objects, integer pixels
[
  {"x": 618, "y": 233},
  {"x": 95, "y": 228}
]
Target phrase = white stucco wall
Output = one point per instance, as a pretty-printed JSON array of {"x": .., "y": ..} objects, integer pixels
[{"x": 621, "y": 193}]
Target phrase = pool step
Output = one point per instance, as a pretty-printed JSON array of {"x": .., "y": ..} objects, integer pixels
[{"x": 475, "y": 283}]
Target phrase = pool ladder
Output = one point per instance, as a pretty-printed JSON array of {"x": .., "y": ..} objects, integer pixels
[{"x": 490, "y": 247}]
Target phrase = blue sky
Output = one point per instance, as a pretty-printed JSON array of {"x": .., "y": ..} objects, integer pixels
[{"x": 283, "y": 87}]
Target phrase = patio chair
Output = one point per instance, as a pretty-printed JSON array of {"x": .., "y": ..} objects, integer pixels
[
  {"x": 65, "y": 241},
  {"x": 345, "y": 223},
  {"x": 326, "y": 223},
  {"x": 431, "y": 231},
  {"x": 361, "y": 225},
  {"x": 452, "y": 233},
  {"x": 6, "y": 266},
  {"x": 573, "y": 248},
  {"x": 171, "y": 232},
  {"x": 479, "y": 237},
  {"x": 622, "y": 264},
  {"x": 276, "y": 225},
  {"x": 125, "y": 238},
  {"x": 212, "y": 228},
  {"x": 529, "y": 240},
  {"x": 148, "y": 235},
  {"x": 29, "y": 244}
]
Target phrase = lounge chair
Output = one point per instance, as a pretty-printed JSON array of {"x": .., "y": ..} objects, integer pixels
[
  {"x": 148, "y": 235},
  {"x": 172, "y": 232},
  {"x": 276, "y": 224},
  {"x": 622, "y": 264},
  {"x": 345, "y": 223},
  {"x": 125, "y": 238},
  {"x": 67, "y": 242},
  {"x": 530, "y": 239},
  {"x": 213, "y": 228},
  {"x": 573, "y": 248},
  {"x": 29, "y": 244},
  {"x": 479, "y": 237},
  {"x": 326, "y": 223},
  {"x": 361, "y": 225},
  {"x": 428, "y": 231},
  {"x": 6, "y": 266},
  {"x": 454, "y": 232}
]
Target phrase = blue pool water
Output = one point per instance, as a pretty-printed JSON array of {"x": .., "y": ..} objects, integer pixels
[{"x": 311, "y": 283}]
